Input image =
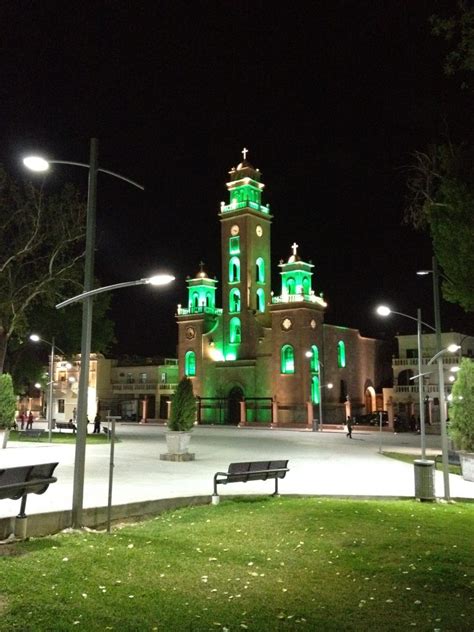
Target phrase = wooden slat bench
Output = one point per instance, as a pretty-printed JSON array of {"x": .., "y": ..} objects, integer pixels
[
  {"x": 18, "y": 482},
  {"x": 31, "y": 432},
  {"x": 250, "y": 471},
  {"x": 66, "y": 425},
  {"x": 453, "y": 458}
]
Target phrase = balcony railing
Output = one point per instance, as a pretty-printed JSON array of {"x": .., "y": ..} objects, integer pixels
[
  {"x": 413, "y": 362},
  {"x": 136, "y": 387},
  {"x": 168, "y": 386},
  {"x": 427, "y": 388},
  {"x": 233, "y": 206},
  {"x": 184, "y": 311},
  {"x": 298, "y": 298}
]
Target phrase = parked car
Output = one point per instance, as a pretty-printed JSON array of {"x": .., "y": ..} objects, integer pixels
[{"x": 372, "y": 419}]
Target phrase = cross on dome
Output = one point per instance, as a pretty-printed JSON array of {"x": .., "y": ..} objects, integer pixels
[
  {"x": 245, "y": 151},
  {"x": 294, "y": 247}
]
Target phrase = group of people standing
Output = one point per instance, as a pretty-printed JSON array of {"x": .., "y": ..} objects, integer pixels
[{"x": 28, "y": 419}]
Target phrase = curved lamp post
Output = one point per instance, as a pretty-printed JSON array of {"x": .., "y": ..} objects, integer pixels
[
  {"x": 37, "y": 163},
  {"x": 36, "y": 338}
]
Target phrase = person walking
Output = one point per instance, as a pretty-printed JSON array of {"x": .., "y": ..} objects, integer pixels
[
  {"x": 22, "y": 420},
  {"x": 349, "y": 427},
  {"x": 29, "y": 423}
]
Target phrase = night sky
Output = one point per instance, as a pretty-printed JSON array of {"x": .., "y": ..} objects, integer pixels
[{"x": 330, "y": 97}]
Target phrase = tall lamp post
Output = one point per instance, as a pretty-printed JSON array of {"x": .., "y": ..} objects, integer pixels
[
  {"x": 442, "y": 398},
  {"x": 329, "y": 385},
  {"x": 37, "y": 163},
  {"x": 383, "y": 310},
  {"x": 36, "y": 338}
]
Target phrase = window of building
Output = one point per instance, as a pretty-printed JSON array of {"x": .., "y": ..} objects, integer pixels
[
  {"x": 306, "y": 286},
  {"x": 234, "y": 245},
  {"x": 234, "y": 300},
  {"x": 341, "y": 354},
  {"x": 62, "y": 376},
  {"x": 190, "y": 364},
  {"x": 163, "y": 378},
  {"x": 60, "y": 405},
  {"x": 260, "y": 271},
  {"x": 291, "y": 285},
  {"x": 287, "y": 359},
  {"x": 260, "y": 300},
  {"x": 235, "y": 335},
  {"x": 315, "y": 393},
  {"x": 412, "y": 353},
  {"x": 130, "y": 379},
  {"x": 234, "y": 269},
  {"x": 143, "y": 378},
  {"x": 314, "y": 359},
  {"x": 195, "y": 301}
]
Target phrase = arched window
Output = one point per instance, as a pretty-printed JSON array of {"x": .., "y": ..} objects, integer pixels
[
  {"x": 315, "y": 394},
  {"x": 195, "y": 301},
  {"x": 235, "y": 330},
  {"x": 291, "y": 285},
  {"x": 306, "y": 286},
  {"x": 287, "y": 359},
  {"x": 260, "y": 300},
  {"x": 190, "y": 364},
  {"x": 260, "y": 263},
  {"x": 208, "y": 300},
  {"x": 341, "y": 354},
  {"x": 234, "y": 300},
  {"x": 234, "y": 269},
  {"x": 314, "y": 359}
]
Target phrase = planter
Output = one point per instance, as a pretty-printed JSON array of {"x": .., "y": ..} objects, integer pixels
[
  {"x": 177, "y": 443},
  {"x": 4, "y": 432},
  {"x": 467, "y": 465}
]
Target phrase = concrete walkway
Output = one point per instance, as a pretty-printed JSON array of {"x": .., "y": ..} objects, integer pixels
[{"x": 323, "y": 463}]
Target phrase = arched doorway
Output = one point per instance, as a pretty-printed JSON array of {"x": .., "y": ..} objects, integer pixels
[
  {"x": 236, "y": 395},
  {"x": 370, "y": 399}
]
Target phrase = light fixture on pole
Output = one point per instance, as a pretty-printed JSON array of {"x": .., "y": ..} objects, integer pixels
[
  {"x": 442, "y": 395},
  {"x": 40, "y": 164},
  {"x": 36, "y": 338}
]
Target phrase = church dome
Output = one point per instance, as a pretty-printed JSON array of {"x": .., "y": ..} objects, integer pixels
[
  {"x": 294, "y": 259},
  {"x": 245, "y": 164},
  {"x": 201, "y": 273}
]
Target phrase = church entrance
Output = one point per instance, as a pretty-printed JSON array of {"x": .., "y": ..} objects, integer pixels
[{"x": 236, "y": 395}]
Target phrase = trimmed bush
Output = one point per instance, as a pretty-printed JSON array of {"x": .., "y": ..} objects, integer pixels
[
  {"x": 183, "y": 407},
  {"x": 7, "y": 402},
  {"x": 461, "y": 408}
]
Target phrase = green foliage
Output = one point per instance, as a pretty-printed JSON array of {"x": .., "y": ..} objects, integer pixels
[
  {"x": 7, "y": 401},
  {"x": 458, "y": 30},
  {"x": 183, "y": 407},
  {"x": 461, "y": 408}
]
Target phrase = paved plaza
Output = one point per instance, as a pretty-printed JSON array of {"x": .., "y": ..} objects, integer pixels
[{"x": 321, "y": 463}]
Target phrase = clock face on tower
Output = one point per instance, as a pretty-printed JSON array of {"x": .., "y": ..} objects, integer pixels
[
  {"x": 286, "y": 324},
  {"x": 259, "y": 231},
  {"x": 313, "y": 324},
  {"x": 190, "y": 333},
  {"x": 234, "y": 230}
]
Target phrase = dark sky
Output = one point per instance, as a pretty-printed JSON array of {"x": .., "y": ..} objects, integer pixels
[{"x": 330, "y": 97}]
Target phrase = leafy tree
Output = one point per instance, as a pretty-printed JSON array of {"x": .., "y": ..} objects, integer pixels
[
  {"x": 458, "y": 29},
  {"x": 183, "y": 407},
  {"x": 7, "y": 401},
  {"x": 41, "y": 243},
  {"x": 461, "y": 409}
]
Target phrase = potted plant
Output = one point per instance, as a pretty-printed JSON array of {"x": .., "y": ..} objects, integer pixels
[
  {"x": 7, "y": 407},
  {"x": 461, "y": 417},
  {"x": 181, "y": 422}
]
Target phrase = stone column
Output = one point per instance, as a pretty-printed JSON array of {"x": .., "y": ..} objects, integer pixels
[
  {"x": 144, "y": 410},
  {"x": 274, "y": 413},
  {"x": 243, "y": 416}
]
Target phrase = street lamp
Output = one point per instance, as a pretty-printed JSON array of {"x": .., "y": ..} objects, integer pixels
[
  {"x": 37, "y": 163},
  {"x": 36, "y": 338},
  {"x": 442, "y": 403},
  {"x": 383, "y": 310}
]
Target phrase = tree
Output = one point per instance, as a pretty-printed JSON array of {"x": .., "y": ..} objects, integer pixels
[
  {"x": 458, "y": 29},
  {"x": 461, "y": 409},
  {"x": 7, "y": 402},
  {"x": 41, "y": 243},
  {"x": 183, "y": 407}
]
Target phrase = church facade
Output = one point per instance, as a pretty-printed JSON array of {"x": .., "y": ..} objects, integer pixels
[{"x": 265, "y": 357}]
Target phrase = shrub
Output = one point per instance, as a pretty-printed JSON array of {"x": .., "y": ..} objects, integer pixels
[
  {"x": 183, "y": 407},
  {"x": 7, "y": 401},
  {"x": 461, "y": 409}
]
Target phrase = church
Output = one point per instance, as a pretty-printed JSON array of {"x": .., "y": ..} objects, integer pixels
[{"x": 267, "y": 357}]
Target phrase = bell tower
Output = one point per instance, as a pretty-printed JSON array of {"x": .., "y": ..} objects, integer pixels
[{"x": 245, "y": 243}]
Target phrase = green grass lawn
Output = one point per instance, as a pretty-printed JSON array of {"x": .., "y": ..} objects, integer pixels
[
  {"x": 58, "y": 437},
  {"x": 252, "y": 564},
  {"x": 409, "y": 458}
]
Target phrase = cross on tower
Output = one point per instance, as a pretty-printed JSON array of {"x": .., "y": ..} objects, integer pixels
[
  {"x": 245, "y": 151},
  {"x": 294, "y": 248},
  {"x": 201, "y": 266}
]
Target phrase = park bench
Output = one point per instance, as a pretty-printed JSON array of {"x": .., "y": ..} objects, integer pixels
[
  {"x": 31, "y": 432},
  {"x": 453, "y": 458},
  {"x": 66, "y": 425},
  {"x": 250, "y": 471},
  {"x": 18, "y": 482}
]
